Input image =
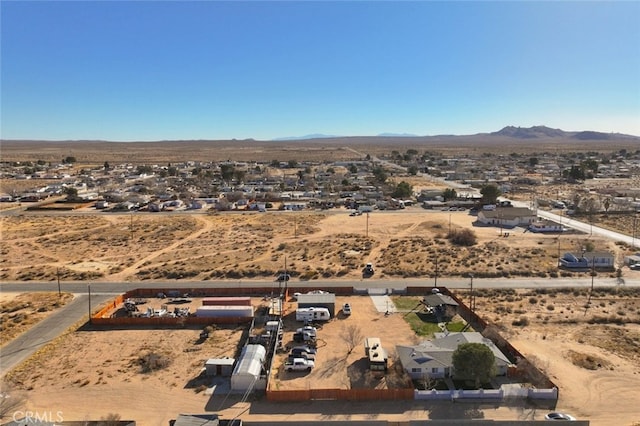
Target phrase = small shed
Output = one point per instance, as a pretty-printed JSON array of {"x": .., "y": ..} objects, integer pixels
[
  {"x": 441, "y": 304},
  {"x": 318, "y": 300},
  {"x": 219, "y": 366},
  {"x": 248, "y": 373}
]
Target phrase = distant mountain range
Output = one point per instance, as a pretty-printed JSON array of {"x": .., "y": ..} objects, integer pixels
[{"x": 534, "y": 132}]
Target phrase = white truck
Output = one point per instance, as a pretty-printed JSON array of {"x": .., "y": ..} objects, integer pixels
[
  {"x": 299, "y": 364},
  {"x": 312, "y": 331}
]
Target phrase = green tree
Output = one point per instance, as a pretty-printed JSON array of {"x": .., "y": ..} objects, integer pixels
[
  {"x": 226, "y": 172},
  {"x": 449, "y": 194},
  {"x": 69, "y": 160},
  {"x": 292, "y": 164},
  {"x": 490, "y": 193},
  {"x": 533, "y": 161},
  {"x": 144, "y": 169},
  {"x": 574, "y": 173},
  {"x": 474, "y": 361},
  {"x": 402, "y": 190},
  {"x": 106, "y": 165},
  {"x": 412, "y": 170},
  {"x": 71, "y": 193},
  {"x": 239, "y": 175},
  {"x": 353, "y": 168},
  {"x": 379, "y": 174}
]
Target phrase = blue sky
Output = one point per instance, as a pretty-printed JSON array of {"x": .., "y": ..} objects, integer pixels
[{"x": 146, "y": 70}]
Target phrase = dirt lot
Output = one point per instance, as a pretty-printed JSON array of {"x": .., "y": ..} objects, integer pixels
[
  {"x": 314, "y": 245},
  {"x": 340, "y": 361}
]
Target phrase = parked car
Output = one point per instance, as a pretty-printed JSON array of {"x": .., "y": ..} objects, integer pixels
[
  {"x": 346, "y": 309},
  {"x": 303, "y": 336},
  {"x": 559, "y": 416},
  {"x": 635, "y": 267},
  {"x": 299, "y": 364},
  {"x": 304, "y": 348}
]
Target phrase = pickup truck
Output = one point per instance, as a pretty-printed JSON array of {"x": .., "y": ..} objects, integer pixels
[
  {"x": 302, "y": 355},
  {"x": 299, "y": 364},
  {"x": 303, "y": 336}
]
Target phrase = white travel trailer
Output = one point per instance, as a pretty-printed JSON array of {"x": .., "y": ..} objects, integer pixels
[{"x": 312, "y": 314}]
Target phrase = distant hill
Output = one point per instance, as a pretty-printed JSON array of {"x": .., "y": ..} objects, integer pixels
[
  {"x": 530, "y": 132},
  {"x": 537, "y": 132}
]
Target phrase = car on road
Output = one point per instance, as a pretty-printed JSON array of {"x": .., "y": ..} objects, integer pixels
[
  {"x": 346, "y": 309},
  {"x": 283, "y": 277},
  {"x": 299, "y": 364},
  {"x": 559, "y": 416},
  {"x": 368, "y": 270}
]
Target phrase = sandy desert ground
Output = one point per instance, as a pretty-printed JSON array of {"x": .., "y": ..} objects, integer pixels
[{"x": 313, "y": 245}]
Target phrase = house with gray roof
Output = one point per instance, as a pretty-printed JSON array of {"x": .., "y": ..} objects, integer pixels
[{"x": 433, "y": 358}]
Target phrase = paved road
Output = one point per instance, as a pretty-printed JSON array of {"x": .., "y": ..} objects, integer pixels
[
  {"x": 26, "y": 344},
  {"x": 589, "y": 229},
  {"x": 631, "y": 279},
  {"x": 23, "y": 346}
]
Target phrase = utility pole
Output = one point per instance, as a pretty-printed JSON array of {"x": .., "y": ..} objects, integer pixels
[
  {"x": 635, "y": 220},
  {"x": 89, "y": 291},
  {"x": 367, "y": 230},
  {"x": 58, "y": 277},
  {"x": 471, "y": 298},
  {"x": 435, "y": 280}
]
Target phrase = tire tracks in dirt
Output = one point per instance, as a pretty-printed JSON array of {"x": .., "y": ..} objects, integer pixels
[{"x": 207, "y": 225}]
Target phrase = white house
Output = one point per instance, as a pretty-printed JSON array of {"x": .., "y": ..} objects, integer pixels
[
  {"x": 433, "y": 358},
  {"x": 508, "y": 217}
]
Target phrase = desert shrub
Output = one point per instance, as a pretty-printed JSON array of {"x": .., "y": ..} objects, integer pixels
[
  {"x": 463, "y": 237},
  {"x": 152, "y": 361},
  {"x": 550, "y": 307},
  {"x": 521, "y": 322},
  {"x": 533, "y": 300}
]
